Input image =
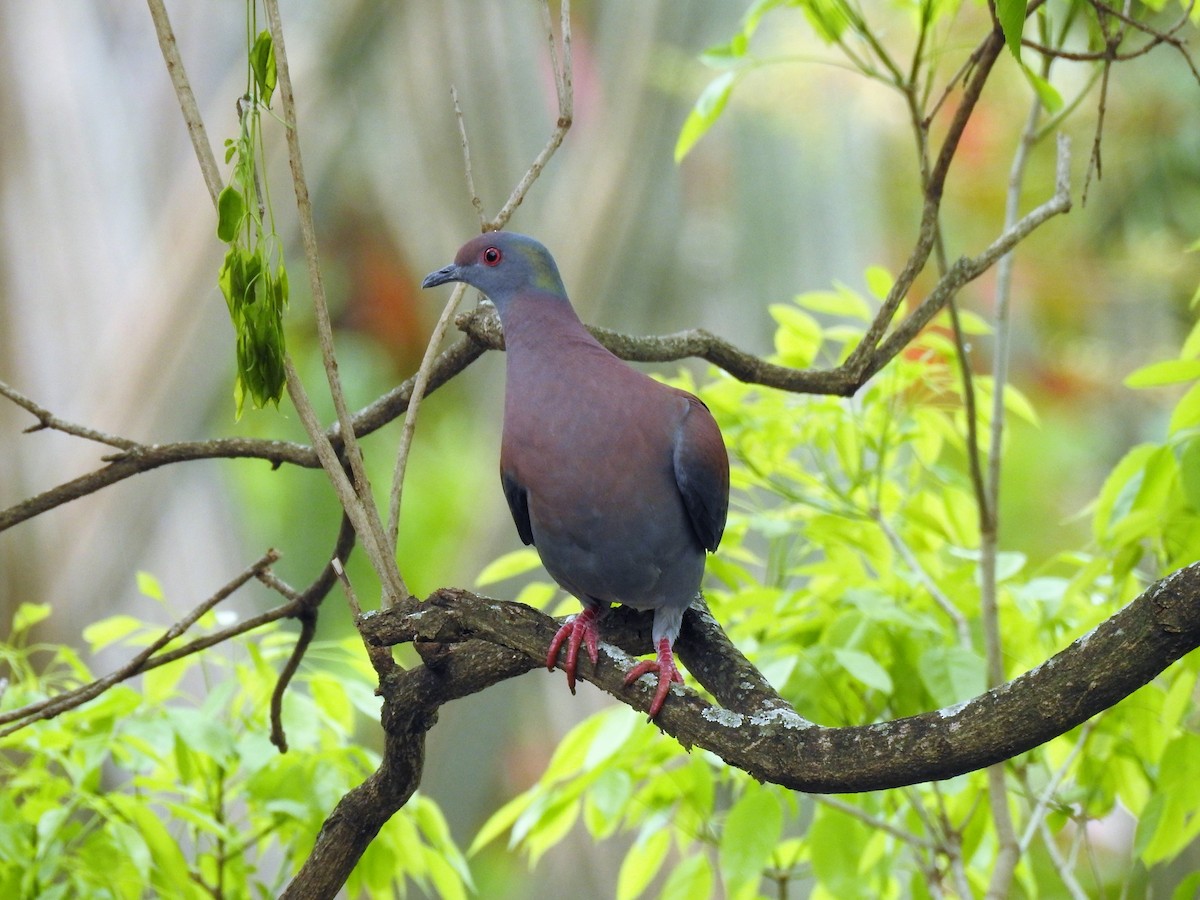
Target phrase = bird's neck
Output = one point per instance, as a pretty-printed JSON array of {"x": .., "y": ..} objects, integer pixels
[{"x": 541, "y": 323}]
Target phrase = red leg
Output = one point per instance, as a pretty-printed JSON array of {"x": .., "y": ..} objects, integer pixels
[
  {"x": 664, "y": 665},
  {"x": 579, "y": 629}
]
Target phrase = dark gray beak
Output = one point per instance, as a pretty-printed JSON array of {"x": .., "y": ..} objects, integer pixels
[{"x": 441, "y": 276}]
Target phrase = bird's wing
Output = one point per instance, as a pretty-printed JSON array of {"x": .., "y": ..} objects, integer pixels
[
  {"x": 702, "y": 472},
  {"x": 518, "y": 504}
]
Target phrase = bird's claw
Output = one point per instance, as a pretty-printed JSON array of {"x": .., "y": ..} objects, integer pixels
[
  {"x": 578, "y": 629},
  {"x": 668, "y": 674}
]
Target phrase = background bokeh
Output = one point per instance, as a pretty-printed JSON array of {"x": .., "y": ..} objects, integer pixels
[{"x": 110, "y": 313}]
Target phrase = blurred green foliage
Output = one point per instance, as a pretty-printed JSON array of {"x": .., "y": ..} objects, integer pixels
[{"x": 172, "y": 788}]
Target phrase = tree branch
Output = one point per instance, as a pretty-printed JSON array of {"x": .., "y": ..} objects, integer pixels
[
  {"x": 758, "y": 733},
  {"x": 187, "y": 99}
]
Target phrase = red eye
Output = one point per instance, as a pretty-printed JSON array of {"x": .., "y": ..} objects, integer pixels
[{"x": 491, "y": 256}]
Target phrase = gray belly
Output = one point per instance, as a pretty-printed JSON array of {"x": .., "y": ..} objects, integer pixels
[{"x": 643, "y": 563}]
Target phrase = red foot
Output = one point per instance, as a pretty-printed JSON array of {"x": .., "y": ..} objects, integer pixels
[
  {"x": 581, "y": 628},
  {"x": 664, "y": 665}
]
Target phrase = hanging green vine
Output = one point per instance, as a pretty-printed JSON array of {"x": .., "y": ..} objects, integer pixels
[{"x": 253, "y": 278}]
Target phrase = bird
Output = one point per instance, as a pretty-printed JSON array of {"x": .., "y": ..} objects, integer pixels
[{"x": 620, "y": 482}]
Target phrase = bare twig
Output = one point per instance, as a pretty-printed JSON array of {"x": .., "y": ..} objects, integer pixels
[
  {"x": 355, "y": 508},
  {"x": 187, "y": 100},
  {"x": 944, "y": 603},
  {"x": 380, "y": 657},
  {"x": 1008, "y": 847},
  {"x": 563, "y": 87},
  {"x": 860, "y": 359},
  {"x": 366, "y": 519},
  {"x": 47, "y": 419},
  {"x": 562, "y": 81},
  {"x": 467, "y": 169},
  {"x": 308, "y": 603},
  {"x": 875, "y": 823},
  {"x": 414, "y": 405},
  {"x": 1037, "y": 816}
]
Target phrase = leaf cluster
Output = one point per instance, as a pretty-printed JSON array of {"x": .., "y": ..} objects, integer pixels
[
  {"x": 254, "y": 286},
  {"x": 173, "y": 786}
]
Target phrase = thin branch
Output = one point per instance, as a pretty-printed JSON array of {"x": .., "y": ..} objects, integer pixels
[
  {"x": 874, "y": 822},
  {"x": 414, "y": 405},
  {"x": 187, "y": 100},
  {"x": 861, "y": 358},
  {"x": 1008, "y": 847},
  {"x": 563, "y": 88},
  {"x": 54, "y": 706},
  {"x": 356, "y": 509},
  {"x": 47, "y": 420},
  {"x": 381, "y": 657},
  {"x": 944, "y": 603},
  {"x": 366, "y": 518},
  {"x": 467, "y": 169},
  {"x": 1037, "y": 818},
  {"x": 309, "y": 602}
]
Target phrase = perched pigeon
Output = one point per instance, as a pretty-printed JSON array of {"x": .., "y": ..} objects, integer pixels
[{"x": 620, "y": 482}]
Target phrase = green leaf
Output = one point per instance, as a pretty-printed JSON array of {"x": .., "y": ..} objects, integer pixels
[
  {"x": 842, "y": 302},
  {"x": 798, "y": 337},
  {"x": 1189, "y": 472},
  {"x": 501, "y": 821},
  {"x": 879, "y": 281},
  {"x": 951, "y": 674},
  {"x": 754, "y": 14},
  {"x": 864, "y": 668},
  {"x": 752, "y": 829},
  {"x": 551, "y": 829},
  {"x": 510, "y": 565},
  {"x": 231, "y": 211},
  {"x": 707, "y": 110},
  {"x": 642, "y": 862},
  {"x": 1018, "y": 404},
  {"x": 1188, "y": 889},
  {"x": 1011, "y": 14},
  {"x": 835, "y": 843},
  {"x": 1169, "y": 371},
  {"x": 973, "y": 323},
  {"x": 149, "y": 586},
  {"x": 108, "y": 631},
  {"x": 605, "y": 802},
  {"x": 1117, "y": 493},
  {"x": 1047, "y": 93},
  {"x": 691, "y": 880},
  {"x": 1191, "y": 345},
  {"x": 28, "y": 615},
  {"x": 262, "y": 62}
]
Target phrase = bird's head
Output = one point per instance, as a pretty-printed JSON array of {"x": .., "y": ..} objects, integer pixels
[{"x": 502, "y": 264}]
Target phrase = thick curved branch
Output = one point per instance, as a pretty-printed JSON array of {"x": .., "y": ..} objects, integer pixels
[
  {"x": 411, "y": 702},
  {"x": 758, "y": 733}
]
